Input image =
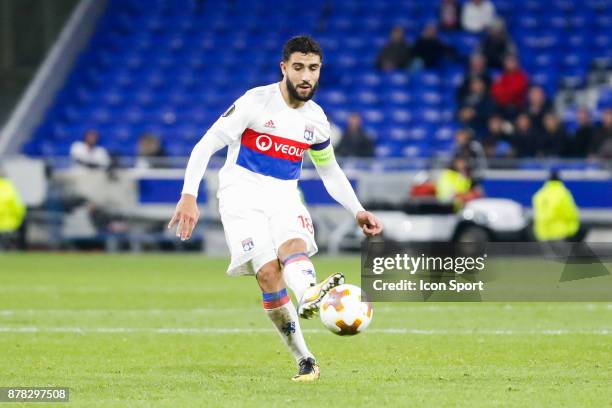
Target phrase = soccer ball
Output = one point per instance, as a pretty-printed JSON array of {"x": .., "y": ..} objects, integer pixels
[{"x": 345, "y": 310}]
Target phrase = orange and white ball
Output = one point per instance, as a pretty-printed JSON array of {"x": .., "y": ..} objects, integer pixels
[{"x": 345, "y": 310}]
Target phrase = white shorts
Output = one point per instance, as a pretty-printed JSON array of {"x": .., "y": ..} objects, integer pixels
[{"x": 255, "y": 228}]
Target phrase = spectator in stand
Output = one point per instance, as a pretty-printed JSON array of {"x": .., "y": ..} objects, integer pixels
[
  {"x": 429, "y": 50},
  {"x": 537, "y": 106},
  {"x": 476, "y": 69},
  {"x": 510, "y": 89},
  {"x": 476, "y": 107},
  {"x": 470, "y": 150},
  {"x": 355, "y": 142},
  {"x": 523, "y": 139},
  {"x": 496, "y": 45},
  {"x": 552, "y": 139},
  {"x": 150, "y": 151},
  {"x": 578, "y": 145},
  {"x": 601, "y": 144},
  {"x": 495, "y": 140},
  {"x": 477, "y": 15},
  {"x": 450, "y": 14},
  {"x": 396, "y": 53},
  {"x": 87, "y": 153}
]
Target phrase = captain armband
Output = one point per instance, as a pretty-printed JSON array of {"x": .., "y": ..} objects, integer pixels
[{"x": 322, "y": 154}]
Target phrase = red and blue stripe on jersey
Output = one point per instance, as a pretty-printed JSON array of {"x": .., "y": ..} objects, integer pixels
[{"x": 271, "y": 155}]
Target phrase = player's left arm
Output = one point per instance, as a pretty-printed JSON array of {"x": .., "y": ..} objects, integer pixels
[{"x": 339, "y": 187}]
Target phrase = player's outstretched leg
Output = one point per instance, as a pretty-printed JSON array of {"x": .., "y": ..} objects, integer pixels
[
  {"x": 300, "y": 276},
  {"x": 283, "y": 315}
]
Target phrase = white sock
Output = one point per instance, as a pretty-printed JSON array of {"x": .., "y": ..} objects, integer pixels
[
  {"x": 299, "y": 274},
  {"x": 282, "y": 313}
]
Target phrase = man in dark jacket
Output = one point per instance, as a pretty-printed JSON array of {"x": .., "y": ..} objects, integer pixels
[
  {"x": 524, "y": 138},
  {"x": 496, "y": 139},
  {"x": 496, "y": 45},
  {"x": 537, "y": 106},
  {"x": 601, "y": 145},
  {"x": 429, "y": 49},
  {"x": 355, "y": 142},
  {"x": 476, "y": 69},
  {"x": 552, "y": 138},
  {"x": 476, "y": 107},
  {"x": 578, "y": 145},
  {"x": 396, "y": 53}
]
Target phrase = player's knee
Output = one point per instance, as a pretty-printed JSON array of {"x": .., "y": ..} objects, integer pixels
[
  {"x": 270, "y": 276},
  {"x": 292, "y": 246}
]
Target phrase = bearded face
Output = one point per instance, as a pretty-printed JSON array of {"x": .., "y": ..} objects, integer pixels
[{"x": 301, "y": 75}]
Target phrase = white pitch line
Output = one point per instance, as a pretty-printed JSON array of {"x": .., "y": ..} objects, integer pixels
[
  {"x": 9, "y": 312},
  {"x": 224, "y": 330},
  {"x": 384, "y": 309}
]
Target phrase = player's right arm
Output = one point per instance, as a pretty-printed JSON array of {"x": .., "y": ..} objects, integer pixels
[
  {"x": 224, "y": 131},
  {"x": 186, "y": 213}
]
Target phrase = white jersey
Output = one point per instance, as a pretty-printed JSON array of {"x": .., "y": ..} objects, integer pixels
[
  {"x": 267, "y": 141},
  {"x": 259, "y": 201}
]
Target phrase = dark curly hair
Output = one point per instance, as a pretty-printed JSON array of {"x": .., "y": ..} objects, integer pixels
[{"x": 302, "y": 44}]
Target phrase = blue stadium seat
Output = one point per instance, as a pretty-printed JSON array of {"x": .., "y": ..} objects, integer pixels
[
  {"x": 397, "y": 97},
  {"x": 444, "y": 136},
  {"x": 167, "y": 67},
  {"x": 389, "y": 149},
  {"x": 453, "y": 77},
  {"x": 373, "y": 116},
  {"x": 604, "y": 99},
  {"x": 416, "y": 150},
  {"x": 401, "y": 117}
]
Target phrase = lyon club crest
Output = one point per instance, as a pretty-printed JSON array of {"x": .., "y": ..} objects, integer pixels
[
  {"x": 247, "y": 244},
  {"x": 309, "y": 133}
]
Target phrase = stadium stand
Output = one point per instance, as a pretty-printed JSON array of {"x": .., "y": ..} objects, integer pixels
[{"x": 169, "y": 68}]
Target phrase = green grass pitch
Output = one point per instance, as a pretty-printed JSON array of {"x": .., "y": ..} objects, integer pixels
[{"x": 174, "y": 330}]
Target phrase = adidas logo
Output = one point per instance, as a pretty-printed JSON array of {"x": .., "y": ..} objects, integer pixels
[{"x": 270, "y": 124}]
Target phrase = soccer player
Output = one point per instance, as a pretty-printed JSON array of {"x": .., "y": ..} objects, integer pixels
[{"x": 268, "y": 230}]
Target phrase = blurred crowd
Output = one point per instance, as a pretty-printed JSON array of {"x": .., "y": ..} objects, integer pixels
[
  {"x": 504, "y": 115},
  {"x": 499, "y": 114},
  {"x": 513, "y": 119}
]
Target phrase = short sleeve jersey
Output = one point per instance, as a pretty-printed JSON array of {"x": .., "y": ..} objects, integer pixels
[{"x": 267, "y": 139}]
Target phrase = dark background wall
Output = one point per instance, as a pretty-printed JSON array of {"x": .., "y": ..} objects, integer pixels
[{"x": 28, "y": 29}]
